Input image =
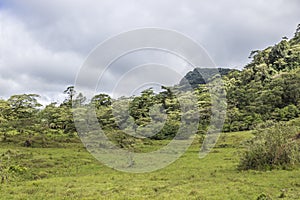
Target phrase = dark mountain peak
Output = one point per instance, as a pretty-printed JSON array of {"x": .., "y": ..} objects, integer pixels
[{"x": 202, "y": 76}]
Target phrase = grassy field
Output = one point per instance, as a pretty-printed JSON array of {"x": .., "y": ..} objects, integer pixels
[{"x": 70, "y": 172}]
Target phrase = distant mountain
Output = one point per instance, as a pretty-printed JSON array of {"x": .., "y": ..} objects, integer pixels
[{"x": 202, "y": 76}]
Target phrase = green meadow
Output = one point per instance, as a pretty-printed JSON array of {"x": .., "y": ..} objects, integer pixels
[{"x": 69, "y": 171}]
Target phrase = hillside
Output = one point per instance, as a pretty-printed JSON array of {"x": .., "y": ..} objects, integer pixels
[{"x": 267, "y": 88}]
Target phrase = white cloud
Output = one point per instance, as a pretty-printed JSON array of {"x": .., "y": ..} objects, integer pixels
[{"x": 27, "y": 66}]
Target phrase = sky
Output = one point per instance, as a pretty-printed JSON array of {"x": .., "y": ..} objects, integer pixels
[{"x": 43, "y": 44}]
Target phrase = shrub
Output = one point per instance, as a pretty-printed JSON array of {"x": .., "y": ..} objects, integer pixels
[
  {"x": 263, "y": 197},
  {"x": 272, "y": 148},
  {"x": 294, "y": 122},
  {"x": 9, "y": 169}
]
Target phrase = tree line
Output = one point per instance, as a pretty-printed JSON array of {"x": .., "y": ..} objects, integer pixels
[{"x": 266, "y": 90}]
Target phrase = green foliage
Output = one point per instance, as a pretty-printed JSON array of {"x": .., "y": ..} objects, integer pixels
[
  {"x": 263, "y": 196},
  {"x": 9, "y": 169},
  {"x": 140, "y": 107},
  {"x": 266, "y": 89},
  {"x": 275, "y": 147},
  {"x": 23, "y": 106}
]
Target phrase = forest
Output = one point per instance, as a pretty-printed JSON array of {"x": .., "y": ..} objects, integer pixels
[{"x": 266, "y": 90}]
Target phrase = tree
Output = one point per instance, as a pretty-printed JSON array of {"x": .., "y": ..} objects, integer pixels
[
  {"x": 103, "y": 105},
  {"x": 140, "y": 106},
  {"x": 296, "y": 39},
  {"x": 24, "y": 105},
  {"x": 23, "y": 114},
  {"x": 5, "y": 117},
  {"x": 101, "y": 100},
  {"x": 70, "y": 91},
  {"x": 4, "y": 111}
]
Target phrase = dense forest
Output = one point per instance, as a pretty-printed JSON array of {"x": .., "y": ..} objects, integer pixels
[{"x": 265, "y": 91}]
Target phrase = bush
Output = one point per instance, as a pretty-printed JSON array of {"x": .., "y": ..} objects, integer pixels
[
  {"x": 289, "y": 112},
  {"x": 263, "y": 197},
  {"x": 294, "y": 122},
  {"x": 272, "y": 148},
  {"x": 9, "y": 169}
]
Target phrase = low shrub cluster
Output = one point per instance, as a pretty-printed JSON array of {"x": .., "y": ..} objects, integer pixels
[{"x": 276, "y": 147}]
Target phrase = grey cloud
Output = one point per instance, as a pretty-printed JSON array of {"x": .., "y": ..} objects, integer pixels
[
  {"x": 147, "y": 60},
  {"x": 49, "y": 40}
]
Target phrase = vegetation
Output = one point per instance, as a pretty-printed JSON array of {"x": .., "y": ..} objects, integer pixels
[
  {"x": 70, "y": 172},
  {"x": 276, "y": 147},
  {"x": 41, "y": 156}
]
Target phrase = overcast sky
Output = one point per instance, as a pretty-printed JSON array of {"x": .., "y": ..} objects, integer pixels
[{"x": 44, "y": 43}]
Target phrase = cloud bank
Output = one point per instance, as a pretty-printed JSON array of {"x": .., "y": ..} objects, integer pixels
[{"x": 44, "y": 43}]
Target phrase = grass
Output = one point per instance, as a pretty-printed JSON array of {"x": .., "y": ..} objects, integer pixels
[{"x": 70, "y": 172}]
